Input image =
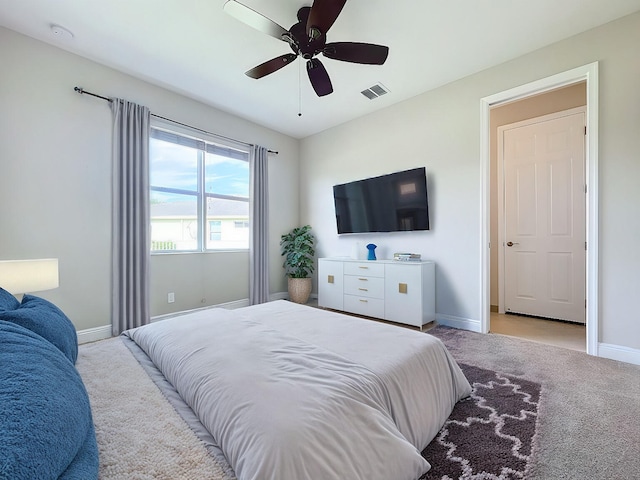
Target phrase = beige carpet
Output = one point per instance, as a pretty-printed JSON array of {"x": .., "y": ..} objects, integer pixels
[{"x": 140, "y": 436}]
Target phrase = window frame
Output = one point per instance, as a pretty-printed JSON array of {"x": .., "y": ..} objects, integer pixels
[
  {"x": 217, "y": 231},
  {"x": 209, "y": 144}
]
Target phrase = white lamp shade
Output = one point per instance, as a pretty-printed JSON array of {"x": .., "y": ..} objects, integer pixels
[{"x": 22, "y": 276}]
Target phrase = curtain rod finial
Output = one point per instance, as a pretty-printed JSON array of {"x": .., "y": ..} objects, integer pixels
[{"x": 78, "y": 89}]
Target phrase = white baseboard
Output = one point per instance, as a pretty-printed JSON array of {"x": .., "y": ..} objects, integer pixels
[
  {"x": 229, "y": 305},
  {"x": 94, "y": 334},
  {"x": 617, "y": 352},
  {"x": 459, "y": 322}
]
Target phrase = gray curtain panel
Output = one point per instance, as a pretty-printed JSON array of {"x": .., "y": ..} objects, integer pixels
[
  {"x": 130, "y": 216},
  {"x": 259, "y": 231}
]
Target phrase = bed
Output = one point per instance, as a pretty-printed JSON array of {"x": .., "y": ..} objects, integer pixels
[{"x": 289, "y": 392}]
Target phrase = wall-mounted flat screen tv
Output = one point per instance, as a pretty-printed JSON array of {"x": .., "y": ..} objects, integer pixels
[{"x": 389, "y": 203}]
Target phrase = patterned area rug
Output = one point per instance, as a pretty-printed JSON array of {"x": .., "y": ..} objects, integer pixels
[{"x": 488, "y": 435}]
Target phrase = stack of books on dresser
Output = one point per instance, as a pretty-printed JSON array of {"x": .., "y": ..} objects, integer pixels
[{"x": 406, "y": 257}]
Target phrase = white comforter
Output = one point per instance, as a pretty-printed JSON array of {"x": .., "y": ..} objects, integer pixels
[{"x": 294, "y": 393}]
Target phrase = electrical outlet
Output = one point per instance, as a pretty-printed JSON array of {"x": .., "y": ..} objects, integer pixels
[{"x": 171, "y": 297}]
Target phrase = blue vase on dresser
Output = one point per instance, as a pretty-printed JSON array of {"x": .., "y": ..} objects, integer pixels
[{"x": 372, "y": 251}]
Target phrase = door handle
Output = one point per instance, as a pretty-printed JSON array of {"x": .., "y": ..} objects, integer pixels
[{"x": 511, "y": 244}]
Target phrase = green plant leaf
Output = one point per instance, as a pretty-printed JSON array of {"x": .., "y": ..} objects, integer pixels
[{"x": 297, "y": 248}]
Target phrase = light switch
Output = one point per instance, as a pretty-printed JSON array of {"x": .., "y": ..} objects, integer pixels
[
  {"x": 402, "y": 288},
  {"x": 329, "y": 278}
]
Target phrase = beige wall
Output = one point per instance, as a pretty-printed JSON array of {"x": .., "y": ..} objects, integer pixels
[
  {"x": 441, "y": 130},
  {"x": 535, "y": 106},
  {"x": 55, "y": 182}
]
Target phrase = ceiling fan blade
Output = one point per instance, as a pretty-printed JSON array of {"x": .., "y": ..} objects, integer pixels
[
  {"x": 367, "y": 53},
  {"x": 271, "y": 66},
  {"x": 254, "y": 19},
  {"x": 319, "y": 77},
  {"x": 322, "y": 15}
]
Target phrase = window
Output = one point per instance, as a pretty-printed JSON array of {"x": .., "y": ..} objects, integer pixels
[
  {"x": 215, "y": 230},
  {"x": 199, "y": 194}
]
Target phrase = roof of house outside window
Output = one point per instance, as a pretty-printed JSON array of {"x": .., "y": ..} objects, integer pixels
[{"x": 218, "y": 207}]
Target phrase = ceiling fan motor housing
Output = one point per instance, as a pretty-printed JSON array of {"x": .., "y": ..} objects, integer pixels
[{"x": 307, "y": 46}]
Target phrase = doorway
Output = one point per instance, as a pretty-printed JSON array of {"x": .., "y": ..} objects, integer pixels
[
  {"x": 541, "y": 214},
  {"x": 587, "y": 76}
]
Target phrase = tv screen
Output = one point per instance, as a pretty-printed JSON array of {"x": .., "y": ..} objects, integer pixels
[{"x": 389, "y": 203}]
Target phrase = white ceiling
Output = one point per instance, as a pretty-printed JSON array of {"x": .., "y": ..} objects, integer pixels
[{"x": 194, "y": 48}]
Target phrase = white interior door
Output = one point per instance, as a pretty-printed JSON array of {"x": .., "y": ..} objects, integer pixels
[{"x": 544, "y": 230}]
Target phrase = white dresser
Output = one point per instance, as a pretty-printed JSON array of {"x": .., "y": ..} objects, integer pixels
[{"x": 397, "y": 291}]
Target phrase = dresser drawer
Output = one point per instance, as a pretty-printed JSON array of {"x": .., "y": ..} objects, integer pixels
[
  {"x": 369, "y": 269},
  {"x": 363, "y": 286},
  {"x": 371, "y": 307}
]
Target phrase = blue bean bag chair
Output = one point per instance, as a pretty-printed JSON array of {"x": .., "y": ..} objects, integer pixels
[{"x": 46, "y": 428}]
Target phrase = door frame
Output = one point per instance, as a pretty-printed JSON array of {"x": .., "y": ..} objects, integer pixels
[
  {"x": 501, "y": 190},
  {"x": 586, "y": 73}
]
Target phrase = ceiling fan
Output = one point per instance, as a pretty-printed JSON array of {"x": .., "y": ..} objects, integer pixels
[{"x": 307, "y": 38}]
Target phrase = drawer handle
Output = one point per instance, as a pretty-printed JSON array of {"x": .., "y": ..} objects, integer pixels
[
  {"x": 363, "y": 289},
  {"x": 330, "y": 279},
  {"x": 364, "y": 301},
  {"x": 364, "y": 268},
  {"x": 363, "y": 279},
  {"x": 402, "y": 288}
]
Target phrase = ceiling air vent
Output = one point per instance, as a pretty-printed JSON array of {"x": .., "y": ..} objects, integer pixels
[{"x": 375, "y": 91}]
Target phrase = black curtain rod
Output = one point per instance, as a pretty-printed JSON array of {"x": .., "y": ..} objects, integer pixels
[{"x": 83, "y": 91}]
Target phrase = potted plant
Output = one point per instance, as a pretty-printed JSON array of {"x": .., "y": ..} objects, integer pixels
[{"x": 297, "y": 249}]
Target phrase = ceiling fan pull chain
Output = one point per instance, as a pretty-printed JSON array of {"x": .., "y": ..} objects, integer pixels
[{"x": 299, "y": 88}]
